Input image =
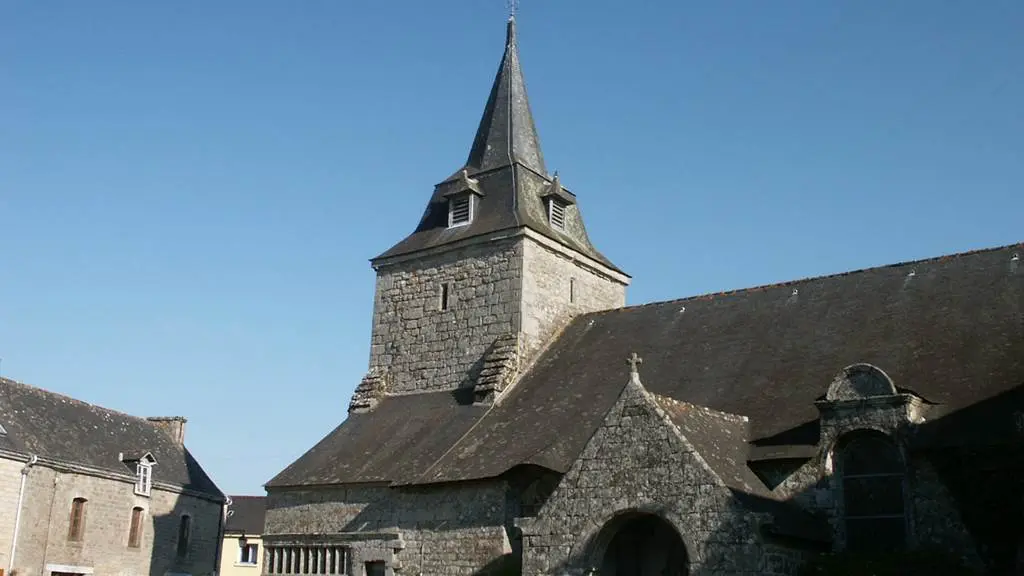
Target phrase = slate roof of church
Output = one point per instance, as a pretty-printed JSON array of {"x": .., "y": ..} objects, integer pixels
[
  {"x": 738, "y": 372},
  {"x": 949, "y": 329},
  {"x": 246, "y": 515},
  {"x": 507, "y": 160},
  {"x": 57, "y": 427}
]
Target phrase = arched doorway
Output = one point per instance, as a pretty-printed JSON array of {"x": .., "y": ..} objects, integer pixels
[{"x": 638, "y": 544}]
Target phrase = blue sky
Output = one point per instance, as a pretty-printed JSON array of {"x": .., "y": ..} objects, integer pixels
[{"x": 190, "y": 191}]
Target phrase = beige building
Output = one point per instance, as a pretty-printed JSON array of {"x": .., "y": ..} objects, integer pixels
[
  {"x": 87, "y": 490},
  {"x": 242, "y": 549}
]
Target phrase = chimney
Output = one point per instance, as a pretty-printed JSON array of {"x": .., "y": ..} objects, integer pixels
[{"x": 174, "y": 426}]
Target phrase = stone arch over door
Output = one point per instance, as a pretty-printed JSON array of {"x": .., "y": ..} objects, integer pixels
[{"x": 635, "y": 542}]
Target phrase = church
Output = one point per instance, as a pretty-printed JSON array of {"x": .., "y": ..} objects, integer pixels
[{"x": 517, "y": 417}]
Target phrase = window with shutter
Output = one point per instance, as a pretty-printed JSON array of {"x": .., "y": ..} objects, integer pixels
[
  {"x": 76, "y": 529},
  {"x": 556, "y": 213},
  {"x": 460, "y": 210},
  {"x": 135, "y": 530}
]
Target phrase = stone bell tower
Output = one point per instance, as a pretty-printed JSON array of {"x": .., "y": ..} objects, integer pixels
[{"x": 499, "y": 262}]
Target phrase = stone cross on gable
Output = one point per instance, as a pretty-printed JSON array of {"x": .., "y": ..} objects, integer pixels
[{"x": 634, "y": 362}]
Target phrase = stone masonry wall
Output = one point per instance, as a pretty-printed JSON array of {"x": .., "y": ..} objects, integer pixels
[
  {"x": 424, "y": 348},
  {"x": 556, "y": 288},
  {"x": 455, "y": 530},
  {"x": 638, "y": 461},
  {"x": 46, "y": 517},
  {"x": 934, "y": 520}
]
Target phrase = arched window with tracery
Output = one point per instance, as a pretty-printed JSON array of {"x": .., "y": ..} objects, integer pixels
[{"x": 872, "y": 476}]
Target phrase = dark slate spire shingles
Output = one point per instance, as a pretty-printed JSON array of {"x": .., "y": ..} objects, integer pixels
[
  {"x": 507, "y": 133},
  {"x": 61, "y": 428},
  {"x": 507, "y": 162}
]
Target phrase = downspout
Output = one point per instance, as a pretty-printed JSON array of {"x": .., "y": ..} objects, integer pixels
[
  {"x": 17, "y": 515},
  {"x": 220, "y": 536}
]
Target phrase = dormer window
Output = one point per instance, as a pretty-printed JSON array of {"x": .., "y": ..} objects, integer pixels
[
  {"x": 462, "y": 198},
  {"x": 557, "y": 200},
  {"x": 460, "y": 210},
  {"x": 144, "y": 478},
  {"x": 556, "y": 213},
  {"x": 143, "y": 471}
]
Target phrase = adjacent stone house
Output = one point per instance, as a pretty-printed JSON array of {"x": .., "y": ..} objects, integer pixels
[
  {"x": 242, "y": 549},
  {"x": 516, "y": 417},
  {"x": 87, "y": 490}
]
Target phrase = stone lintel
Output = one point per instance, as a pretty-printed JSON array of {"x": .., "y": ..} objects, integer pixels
[
  {"x": 828, "y": 407},
  {"x": 334, "y": 539}
]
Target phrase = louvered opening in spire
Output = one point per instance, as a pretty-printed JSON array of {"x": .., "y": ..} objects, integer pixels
[{"x": 507, "y": 133}]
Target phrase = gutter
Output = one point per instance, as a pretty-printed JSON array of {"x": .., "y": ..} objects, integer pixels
[{"x": 17, "y": 516}]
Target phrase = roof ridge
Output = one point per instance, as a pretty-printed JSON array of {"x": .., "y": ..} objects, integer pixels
[
  {"x": 806, "y": 279},
  {"x": 738, "y": 418},
  {"x": 5, "y": 380}
]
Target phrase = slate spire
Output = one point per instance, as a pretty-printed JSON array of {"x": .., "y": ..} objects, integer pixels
[
  {"x": 507, "y": 134},
  {"x": 506, "y": 176}
]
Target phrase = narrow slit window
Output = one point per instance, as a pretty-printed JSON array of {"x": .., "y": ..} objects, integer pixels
[
  {"x": 460, "y": 210},
  {"x": 572, "y": 290},
  {"x": 184, "y": 535},
  {"x": 76, "y": 528},
  {"x": 135, "y": 529},
  {"x": 443, "y": 304},
  {"x": 556, "y": 213}
]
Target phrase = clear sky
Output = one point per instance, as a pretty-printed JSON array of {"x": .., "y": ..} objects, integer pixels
[{"x": 190, "y": 191}]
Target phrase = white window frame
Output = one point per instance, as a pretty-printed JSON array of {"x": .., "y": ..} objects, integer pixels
[
  {"x": 563, "y": 206},
  {"x": 469, "y": 211},
  {"x": 144, "y": 477},
  {"x": 255, "y": 556}
]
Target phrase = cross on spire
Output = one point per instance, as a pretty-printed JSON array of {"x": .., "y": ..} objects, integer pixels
[
  {"x": 634, "y": 362},
  {"x": 513, "y": 6}
]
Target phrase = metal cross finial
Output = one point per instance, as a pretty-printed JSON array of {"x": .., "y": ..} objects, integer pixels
[
  {"x": 634, "y": 362},
  {"x": 513, "y": 6}
]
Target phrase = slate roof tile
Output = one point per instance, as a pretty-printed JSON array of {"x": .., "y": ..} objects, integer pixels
[
  {"x": 48, "y": 424},
  {"x": 953, "y": 333},
  {"x": 246, "y": 515}
]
